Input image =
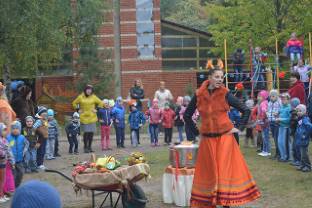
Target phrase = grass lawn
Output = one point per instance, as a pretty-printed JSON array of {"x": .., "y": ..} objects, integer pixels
[{"x": 281, "y": 184}]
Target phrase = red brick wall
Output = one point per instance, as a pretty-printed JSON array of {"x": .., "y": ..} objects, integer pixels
[
  {"x": 149, "y": 71},
  {"x": 176, "y": 82}
]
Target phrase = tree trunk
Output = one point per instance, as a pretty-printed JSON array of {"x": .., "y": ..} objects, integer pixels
[
  {"x": 7, "y": 79},
  {"x": 278, "y": 15}
]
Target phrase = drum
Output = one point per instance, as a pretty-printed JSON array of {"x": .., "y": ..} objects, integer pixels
[{"x": 183, "y": 155}]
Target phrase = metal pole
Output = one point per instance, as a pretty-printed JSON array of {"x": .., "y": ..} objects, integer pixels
[
  {"x": 277, "y": 64},
  {"x": 251, "y": 68},
  {"x": 226, "y": 67},
  {"x": 117, "y": 55}
]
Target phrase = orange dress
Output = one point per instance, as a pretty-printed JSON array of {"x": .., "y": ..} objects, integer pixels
[
  {"x": 7, "y": 115},
  {"x": 221, "y": 173}
]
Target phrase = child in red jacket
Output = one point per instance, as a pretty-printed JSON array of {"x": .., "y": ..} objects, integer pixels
[{"x": 167, "y": 119}]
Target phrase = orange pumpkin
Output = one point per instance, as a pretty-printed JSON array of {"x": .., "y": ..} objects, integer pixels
[
  {"x": 92, "y": 165},
  {"x": 103, "y": 170}
]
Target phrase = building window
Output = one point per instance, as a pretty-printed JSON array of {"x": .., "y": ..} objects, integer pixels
[
  {"x": 184, "y": 49},
  {"x": 145, "y": 29}
]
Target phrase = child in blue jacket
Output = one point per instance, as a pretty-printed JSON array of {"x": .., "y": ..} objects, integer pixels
[
  {"x": 303, "y": 132},
  {"x": 19, "y": 146},
  {"x": 52, "y": 135},
  {"x": 136, "y": 120},
  {"x": 283, "y": 119},
  {"x": 118, "y": 114},
  {"x": 235, "y": 118}
]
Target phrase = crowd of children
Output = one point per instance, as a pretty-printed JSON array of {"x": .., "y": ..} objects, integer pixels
[
  {"x": 24, "y": 149},
  {"x": 289, "y": 124},
  {"x": 114, "y": 114}
]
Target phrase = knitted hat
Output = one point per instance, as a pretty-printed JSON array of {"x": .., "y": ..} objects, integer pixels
[
  {"x": 36, "y": 194},
  {"x": 264, "y": 94},
  {"x": 111, "y": 103},
  {"x": 186, "y": 98},
  {"x": 274, "y": 93},
  {"x": 132, "y": 103},
  {"x": 294, "y": 102},
  {"x": 16, "y": 84},
  {"x": 76, "y": 115},
  {"x": 50, "y": 112},
  {"x": 41, "y": 110},
  {"x": 16, "y": 125},
  {"x": 105, "y": 102},
  {"x": 250, "y": 103},
  {"x": 302, "y": 108},
  {"x": 29, "y": 118},
  {"x": 285, "y": 95},
  {"x": 2, "y": 127},
  {"x": 119, "y": 99}
]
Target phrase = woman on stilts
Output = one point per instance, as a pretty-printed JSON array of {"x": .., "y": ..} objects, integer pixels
[{"x": 221, "y": 173}]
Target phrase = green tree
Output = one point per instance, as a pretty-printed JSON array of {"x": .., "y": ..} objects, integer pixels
[
  {"x": 261, "y": 21},
  {"x": 31, "y": 34},
  {"x": 167, "y": 7},
  {"x": 38, "y": 36},
  {"x": 94, "y": 66},
  {"x": 186, "y": 12}
]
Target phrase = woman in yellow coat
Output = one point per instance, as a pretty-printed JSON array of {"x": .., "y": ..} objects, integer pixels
[{"x": 86, "y": 103}]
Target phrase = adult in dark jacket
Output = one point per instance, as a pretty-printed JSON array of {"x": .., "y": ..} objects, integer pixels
[
  {"x": 137, "y": 93},
  {"x": 23, "y": 105},
  {"x": 297, "y": 88},
  {"x": 238, "y": 60}
]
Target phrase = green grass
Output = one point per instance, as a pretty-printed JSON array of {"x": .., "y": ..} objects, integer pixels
[
  {"x": 158, "y": 161},
  {"x": 281, "y": 185}
]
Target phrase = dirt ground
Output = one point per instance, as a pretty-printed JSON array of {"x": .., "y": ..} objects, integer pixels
[{"x": 64, "y": 164}]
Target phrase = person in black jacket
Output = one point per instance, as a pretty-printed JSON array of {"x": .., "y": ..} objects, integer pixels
[
  {"x": 72, "y": 132},
  {"x": 178, "y": 121},
  {"x": 23, "y": 105},
  {"x": 238, "y": 61},
  {"x": 137, "y": 93}
]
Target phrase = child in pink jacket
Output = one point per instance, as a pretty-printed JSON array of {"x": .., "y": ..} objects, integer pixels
[{"x": 154, "y": 114}]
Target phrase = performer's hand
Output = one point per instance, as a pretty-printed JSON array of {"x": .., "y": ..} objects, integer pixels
[
  {"x": 37, "y": 145},
  {"x": 234, "y": 130}
]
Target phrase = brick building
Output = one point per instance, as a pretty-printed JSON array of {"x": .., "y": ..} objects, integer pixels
[{"x": 147, "y": 48}]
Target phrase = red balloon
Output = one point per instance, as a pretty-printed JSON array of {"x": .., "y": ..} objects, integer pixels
[
  {"x": 239, "y": 86},
  {"x": 281, "y": 75}
]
